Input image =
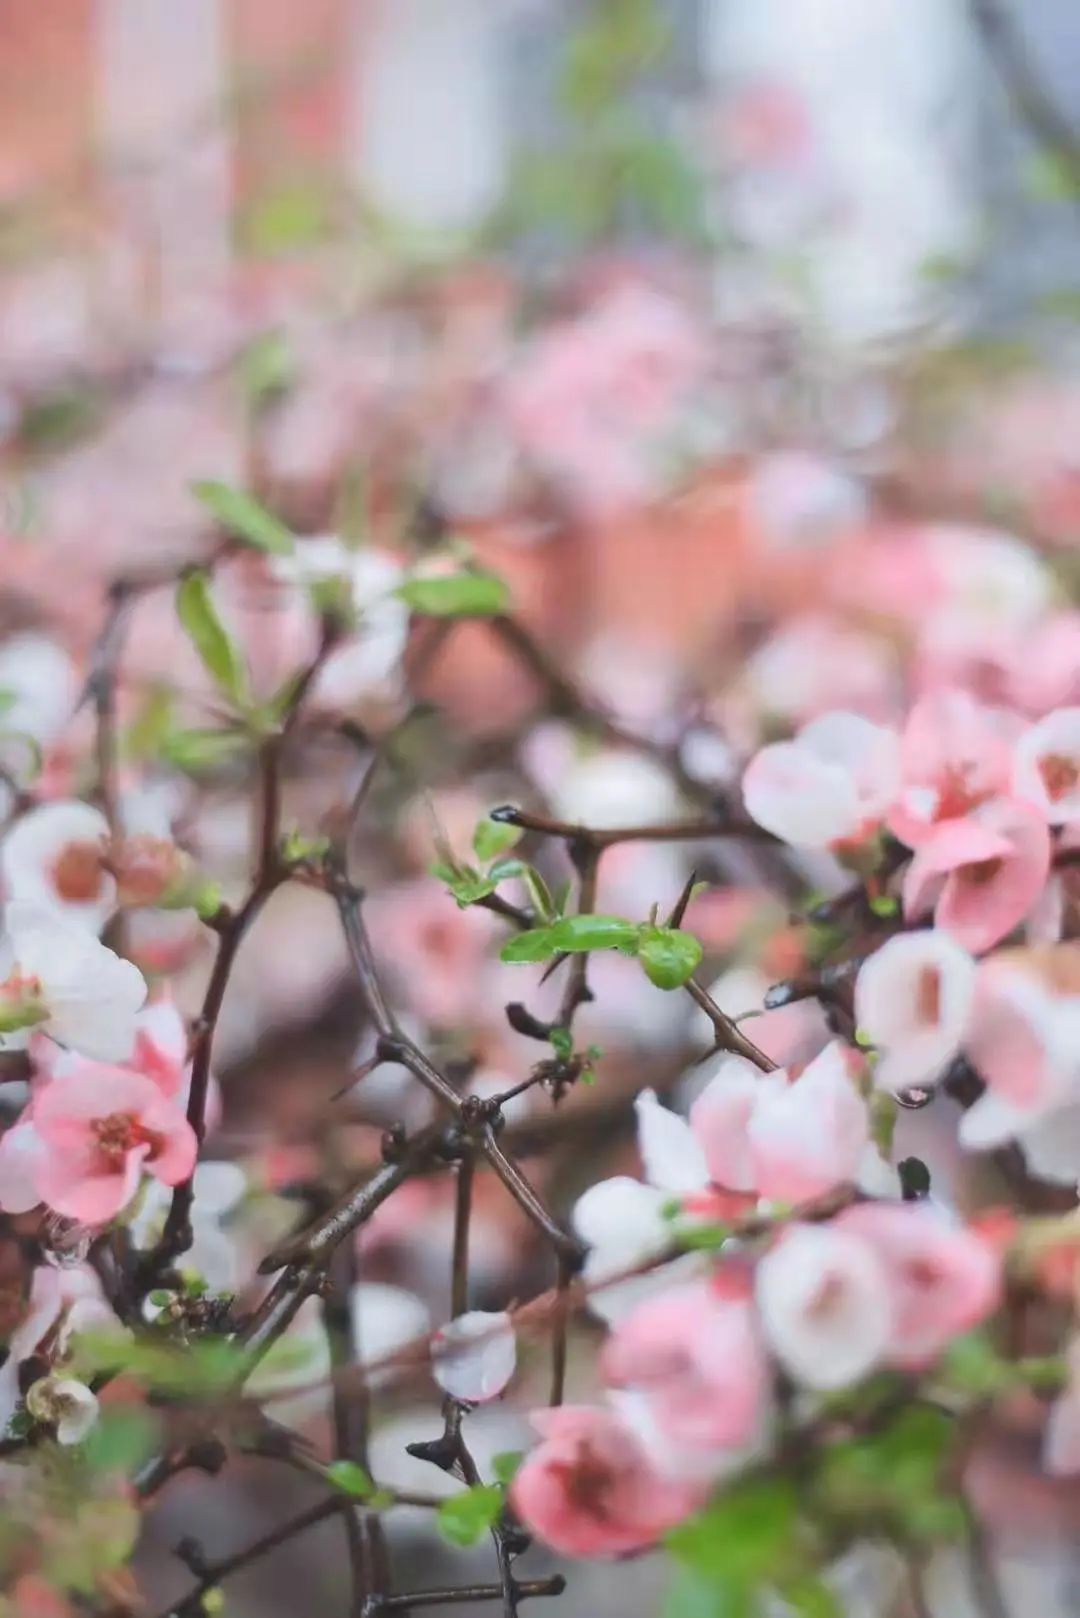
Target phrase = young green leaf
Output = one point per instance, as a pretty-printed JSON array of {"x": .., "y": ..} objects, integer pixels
[
  {"x": 506, "y": 1466},
  {"x": 493, "y": 837},
  {"x": 456, "y": 595},
  {"x": 219, "y": 653},
  {"x": 540, "y": 897},
  {"x": 243, "y": 517},
  {"x": 199, "y": 752},
  {"x": 668, "y": 955},
  {"x": 534, "y": 945},
  {"x": 351, "y": 1479},
  {"x": 576, "y": 934},
  {"x": 465, "y": 1517}
]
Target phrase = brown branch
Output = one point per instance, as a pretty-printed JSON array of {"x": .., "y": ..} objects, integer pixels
[{"x": 726, "y": 1034}]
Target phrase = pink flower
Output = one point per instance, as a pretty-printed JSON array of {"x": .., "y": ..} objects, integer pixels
[
  {"x": 832, "y": 785},
  {"x": 1023, "y": 1043},
  {"x": 1047, "y": 766},
  {"x": 913, "y": 1000},
  {"x": 954, "y": 756},
  {"x": 692, "y": 1361},
  {"x": 589, "y": 1488},
  {"x": 825, "y": 1305},
  {"x": 981, "y": 875},
  {"x": 943, "y": 1279},
  {"x": 808, "y": 1135},
  {"x": 99, "y": 1129}
]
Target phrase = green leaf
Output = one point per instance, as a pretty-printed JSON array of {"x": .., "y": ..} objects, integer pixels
[
  {"x": 534, "y": 945},
  {"x": 200, "y": 752},
  {"x": 465, "y": 1517},
  {"x": 457, "y": 595},
  {"x": 562, "y": 1041},
  {"x": 241, "y": 515},
  {"x": 351, "y": 1479},
  {"x": 503, "y": 870},
  {"x": 464, "y": 882},
  {"x": 575, "y": 935},
  {"x": 507, "y": 1465},
  {"x": 540, "y": 894},
  {"x": 493, "y": 837},
  {"x": 885, "y": 904},
  {"x": 897, "y": 1479},
  {"x": 121, "y": 1438},
  {"x": 748, "y": 1534},
  {"x": 219, "y": 653},
  {"x": 668, "y": 955},
  {"x": 266, "y": 368},
  {"x": 692, "y": 1596}
]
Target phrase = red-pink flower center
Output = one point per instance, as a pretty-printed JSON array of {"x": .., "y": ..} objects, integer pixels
[
  {"x": 980, "y": 872},
  {"x": 956, "y": 795},
  {"x": 1059, "y": 774},
  {"x": 78, "y": 872},
  {"x": 586, "y": 1481},
  {"x": 119, "y": 1133},
  {"x": 928, "y": 995}
]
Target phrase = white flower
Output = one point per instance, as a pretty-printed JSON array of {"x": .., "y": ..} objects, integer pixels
[
  {"x": 89, "y": 996},
  {"x": 370, "y": 657},
  {"x": 65, "y": 1403},
  {"x": 52, "y": 858},
  {"x": 62, "y": 1302},
  {"x": 615, "y": 789},
  {"x": 802, "y": 501},
  {"x": 913, "y": 1000},
  {"x": 214, "y": 1252},
  {"x": 1046, "y": 766},
  {"x": 474, "y": 1356},
  {"x": 825, "y": 1305},
  {"x": 832, "y": 783},
  {"x": 39, "y": 686}
]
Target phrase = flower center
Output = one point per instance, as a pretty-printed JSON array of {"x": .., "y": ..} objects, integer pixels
[
  {"x": 119, "y": 1133},
  {"x": 1060, "y": 775},
  {"x": 956, "y": 795},
  {"x": 827, "y": 1296},
  {"x": 586, "y": 1481},
  {"x": 928, "y": 996},
  {"x": 78, "y": 872},
  {"x": 980, "y": 872}
]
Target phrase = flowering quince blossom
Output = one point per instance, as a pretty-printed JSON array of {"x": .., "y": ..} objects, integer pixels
[
  {"x": 954, "y": 755},
  {"x": 695, "y": 1378},
  {"x": 981, "y": 875},
  {"x": 1047, "y": 766},
  {"x": 53, "y": 857},
  {"x": 65, "y": 983},
  {"x": 368, "y": 661},
  {"x": 590, "y": 1488},
  {"x": 943, "y": 1279},
  {"x": 88, "y": 1139},
  {"x": 824, "y": 1303},
  {"x": 66, "y": 1404},
  {"x": 913, "y": 1000},
  {"x": 829, "y": 787},
  {"x": 473, "y": 1357},
  {"x": 62, "y": 1302}
]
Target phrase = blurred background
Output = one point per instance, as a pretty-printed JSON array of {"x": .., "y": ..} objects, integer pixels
[{"x": 646, "y": 301}]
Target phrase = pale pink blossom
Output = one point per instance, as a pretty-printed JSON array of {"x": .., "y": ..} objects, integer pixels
[
  {"x": 1046, "y": 770},
  {"x": 943, "y": 1279},
  {"x": 1023, "y": 1044},
  {"x": 590, "y": 1489},
  {"x": 954, "y": 755},
  {"x": 474, "y": 1356},
  {"x": 54, "y": 858},
  {"x": 1042, "y": 671},
  {"x": 913, "y": 1000},
  {"x": 825, "y": 1304},
  {"x": 693, "y": 1359},
  {"x": 831, "y": 786},
  {"x": 62, "y": 1302},
  {"x": 100, "y": 1129},
  {"x": 64, "y": 1403},
  {"x": 72, "y": 987},
  {"x": 981, "y": 876},
  {"x": 808, "y": 1135},
  {"x": 815, "y": 664}
]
